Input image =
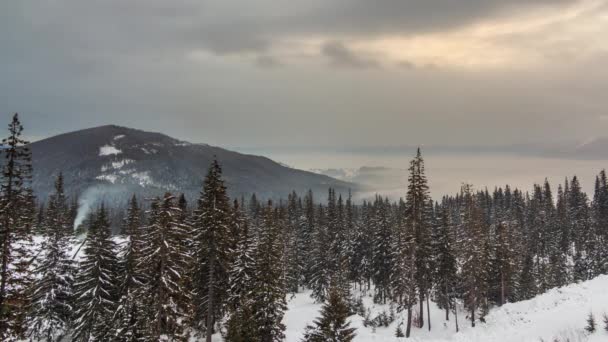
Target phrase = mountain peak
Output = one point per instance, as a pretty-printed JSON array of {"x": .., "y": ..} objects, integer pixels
[{"x": 124, "y": 160}]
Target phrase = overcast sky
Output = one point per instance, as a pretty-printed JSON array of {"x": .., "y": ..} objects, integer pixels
[{"x": 268, "y": 73}]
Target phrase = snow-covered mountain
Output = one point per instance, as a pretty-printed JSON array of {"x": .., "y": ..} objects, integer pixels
[{"x": 116, "y": 161}]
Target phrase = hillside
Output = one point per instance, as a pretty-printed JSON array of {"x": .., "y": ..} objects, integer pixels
[
  {"x": 558, "y": 315},
  {"x": 115, "y": 161}
]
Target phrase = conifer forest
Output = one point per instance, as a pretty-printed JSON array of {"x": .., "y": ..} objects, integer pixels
[{"x": 216, "y": 268}]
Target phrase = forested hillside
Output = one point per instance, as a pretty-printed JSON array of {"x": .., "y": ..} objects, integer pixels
[{"x": 226, "y": 267}]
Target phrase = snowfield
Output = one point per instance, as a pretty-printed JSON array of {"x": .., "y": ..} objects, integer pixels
[
  {"x": 108, "y": 150},
  {"x": 558, "y": 314}
]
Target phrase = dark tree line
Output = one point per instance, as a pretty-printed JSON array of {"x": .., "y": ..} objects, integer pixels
[{"x": 227, "y": 266}]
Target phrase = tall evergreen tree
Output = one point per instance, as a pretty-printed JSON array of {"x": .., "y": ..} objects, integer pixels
[
  {"x": 129, "y": 313},
  {"x": 419, "y": 217},
  {"x": 166, "y": 263},
  {"x": 241, "y": 325},
  {"x": 16, "y": 219},
  {"x": 52, "y": 291},
  {"x": 269, "y": 303},
  {"x": 403, "y": 280},
  {"x": 473, "y": 247},
  {"x": 445, "y": 259},
  {"x": 212, "y": 257},
  {"x": 95, "y": 289}
]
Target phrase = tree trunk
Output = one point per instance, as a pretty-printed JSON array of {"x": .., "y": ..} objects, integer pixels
[
  {"x": 421, "y": 309},
  {"x": 456, "y": 315},
  {"x": 473, "y": 315},
  {"x": 409, "y": 321},
  {"x": 428, "y": 311},
  {"x": 447, "y": 307},
  {"x": 502, "y": 289},
  {"x": 210, "y": 299}
]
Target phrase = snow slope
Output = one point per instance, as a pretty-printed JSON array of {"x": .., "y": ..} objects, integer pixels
[{"x": 559, "y": 313}]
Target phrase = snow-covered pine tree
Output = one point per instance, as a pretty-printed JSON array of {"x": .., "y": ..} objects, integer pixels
[
  {"x": 95, "y": 284},
  {"x": 128, "y": 317},
  {"x": 333, "y": 325},
  {"x": 502, "y": 263},
  {"x": 338, "y": 243},
  {"x": 362, "y": 254},
  {"x": 166, "y": 263},
  {"x": 445, "y": 261},
  {"x": 16, "y": 219},
  {"x": 419, "y": 216},
  {"x": 473, "y": 247},
  {"x": 306, "y": 236},
  {"x": 383, "y": 255},
  {"x": 403, "y": 281},
  {"x": 51, "y": 310},
  {"x": 578, "y": 214},
  {"x": 293, "y": 258},
  {"x": 269, "y": 302},
  {"x": 211, "y": 225},
  {"x": 241, "y": 325},
  {"x": 319, "y": 258}
]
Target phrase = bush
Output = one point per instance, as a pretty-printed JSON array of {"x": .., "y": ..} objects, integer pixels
[{"x": 590, "y": 328}]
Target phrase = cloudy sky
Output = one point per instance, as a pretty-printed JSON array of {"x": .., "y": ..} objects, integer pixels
[{"x": 269, "y": 73}]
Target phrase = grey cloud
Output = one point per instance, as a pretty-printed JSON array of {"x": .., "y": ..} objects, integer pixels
[
  {"x": 406, "y": 65},
  {"x": 341, "y": 56},
  {"x": 266, "y": 61}
]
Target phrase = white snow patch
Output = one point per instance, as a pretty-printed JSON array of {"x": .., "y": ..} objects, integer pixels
[
  {"x": 143, "y": 178},
  {"x": 116, "y": 165},
  {"x": 558, "y": 314},
  {"x": 108, "y": 150},
  {"x": 118, "y": 137},
  {"x": 107, "y": 177}
]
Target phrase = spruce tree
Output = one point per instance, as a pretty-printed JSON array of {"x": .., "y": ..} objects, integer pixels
[
  {"x": 383, "y": 255},
  {"x": 332, "y": 325},
  {"x": 241, "y": 325},
  {"x": 268, "y": 297},
  {"x": 319, "y": 271},
  {"x": 212, "y": 250},
  {"x": 473, "y": 246},
  {"x": 419, "y": 217},
  {"x": 445, "y": 259},
  {"x": 166, "y": 263},
  {"x": 16, "y": 220},
  {"x": 95, "y": 289},
  {"x": 403, "y": 281},
  {"x": 129, "y": 313},
  {"x": 52, "y": 309}
]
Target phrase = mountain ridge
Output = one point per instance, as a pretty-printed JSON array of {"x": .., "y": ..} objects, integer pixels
[{"x": 124, "y": 160}]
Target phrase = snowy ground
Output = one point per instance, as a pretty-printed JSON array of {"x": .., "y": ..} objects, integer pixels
[{"x": 559, "y": 313}]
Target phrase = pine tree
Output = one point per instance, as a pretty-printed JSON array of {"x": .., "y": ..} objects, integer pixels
[
  {"x": 52, "y": 290},
  {"x": 590, "y": 328},
  {"x": 95, "y": 290},
  {"x": 128, "y": 317},
  {"x": 445, "y": 271},
  {"x": 332, "y": 325},
  {"x": 403, "y": 279},
  {"x": 473, "y": 246},
  {"x": 419, "y": 216},
  {"x": 268, "y": 297},
  {"x": 166, "y": 263},
  {"x": 383, "y": 254},
  {"x": 212, "y": 257},
  {"x": 319, "y": 271},
  {"x": 241, "y": 325},
  {"x": 16, "y": 219}
]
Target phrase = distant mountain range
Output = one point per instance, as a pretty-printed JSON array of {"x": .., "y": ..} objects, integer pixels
[{"x": 114, "y": 162}]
